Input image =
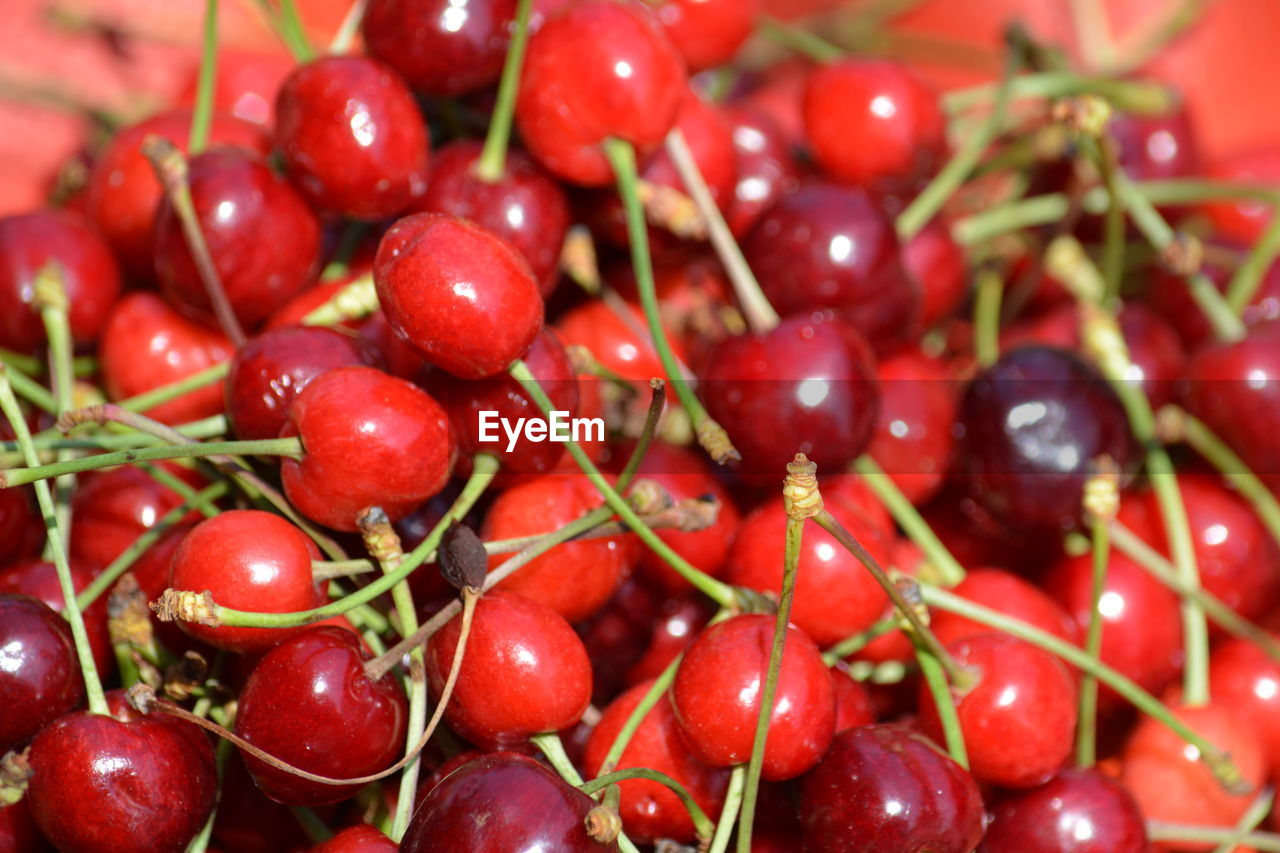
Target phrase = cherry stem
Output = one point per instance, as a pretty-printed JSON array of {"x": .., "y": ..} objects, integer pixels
[
  {"x": 170, "y": 167},
  {"x": 353, "y": 301},
  {"x": 947, "y": 568},
  {"x": 987, "y": 296},
  {"x": 801, "y": 41},
  {"x": 729, "y": 811},
  {"x": 855, "y": 643},
  {"x": 712, "y": 437},
  {"x": 657, "y": 403},
  {"x": 1101, "y": 500},
  {"x": 1227, "y": 774},
  {"x": 347, "y": 30},
  {"x": 293, "y": 33},
  {"x": 51, "y": 300},
  {"x": 492, "y": 163},
  {"x": 1093, "y": 33},
  {"x": 30, "y": 390},
  {"x": 1248, "y": 277},
  {"x": 1145, "y": 42},
  {"x": 702, "y": 824},
  {"x": 656, "y": 692},
  {"x": 1128, "y": 95},
  {"x": 760, "y": 315},
  {"x": 205, "y": 83},
  {"x": 44, "y": 497},
  {"x": 1103, "y": 153},
  {"x": 1249, "y": 821},
  {"x": 944, "y": 703},
  {"x": 150, "y": 399},
  {"x": 553, "y": 749}
]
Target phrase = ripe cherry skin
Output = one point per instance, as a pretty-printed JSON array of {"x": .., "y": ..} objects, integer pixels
[
  {"x": 40, "y": 679},
  {"x": 369, "y": 439},
  {"x": 463, "y": 297},
  {"x": 1242, "y": 677},
  {"x": 39, "y": 579},
  {"x": 352, "y": 137},
  {"x": 439, "y": 47},
  {"x": 1078, "y": 811},
  {"x": 361, "y": 838},
  {"x": 912, "y": 441},
  {"x": 765, "y": 165},
  {"x": 707, "y": 34},
  {"x": 524, "y": 672},
  {"x": 716, "y": 697},
  {"x": 1011, "y": 595}
]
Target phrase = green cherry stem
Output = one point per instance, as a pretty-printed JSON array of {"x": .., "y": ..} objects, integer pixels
[
  {"x": 553, "y": 749},
  {"x": 1249, "y": 821},
  {"x": 798, "y": 40},
  {"x": 729, "y": 811},
  {"x": 855, "y": 643},
  {"x": 44, "y": 496},
  {"x": 294, "y": 33},
  {"x": 652, "y": 696},
  {"x": 492, "y": 163},
  {"x": 1244, "y": 284},
  {"x": 944, "y": 702},
  {"x": 31, "y": 390},
  {"x": 1138, "y": 47},
  {"x": 987, "y": 297},
  {"x": 202, "y": 114},
  {"x": 948, "y": 568},
  {"x": 1101, "y": 500},
  {"x": 201, "y": 379},
  {"x": 51, "y": 299},
  {"x": 347, "y": 30},
  {"x": 702, "y": 824},
  {"x": 1103, "y": 154},
  {"x": 1264, "y": 842},
  {"x": 1128, "y": 95}
]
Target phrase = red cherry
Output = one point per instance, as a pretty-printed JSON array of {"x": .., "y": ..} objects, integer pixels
[
  {"x": 440, "y": 48},
  {"x": 21, "y": 533},
  {"x": 89, "y": 274},
  {"x": 1243, "y": 678},
  {"x": 463, "y": 297},
  {"x": 245, "y": 85},
  {"x": 146, "y": 345},
  {"x": 264, "y": 240},
  {"x": 615, "y": 341},
  {"x": 617, "y": 635},
  {"x": 309, "y": 702},
  {"x": 1244, "y": 221},
  {"x": 595, "y": 70},
  {"x": 361, "y": 838},
  {"x": 247, "y": 821},
  {"x": 39, "y": 579},
  {"x": 707, "y": 34},
  {"x": 765, "y": 165},
  {"x": 1018, "y": 719},
  {"x": 716, "y": 697},
  {"x": 370, "y": 440},
  {"x": 1172, "y": 299},
  {"x": 524, "y": 672},
  {"x": 676, "y": 626},
  {"x": 1012, "y": 596},
  {"x": 40, "y": 679},
  {"x": 854, "y": 706},
  {"x": 939, "y": 266},
  {"x": 112, "y": 508},
  {"x": 18, "y": 832},
  {"x": 912, "y": 440},
  {"x": 352, "y": 137},
  {"x": 891, "y": 112},
  {"x": 1078, "y": 811}
]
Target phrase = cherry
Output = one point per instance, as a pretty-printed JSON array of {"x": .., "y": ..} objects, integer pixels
[
  {"x": 766, "y": 168},
  {"x": 370, "y": 440},
  {"x": 707, "y": 34},
  {"x": 1156, "y": 147},
  {"x": 39, "y": 579},
  {"x": 854, "y": 705},
  {"x": 826, "y": 246},
  {"x": 1012, "y": 596},
  {"x": 146, "y": 345},
  {"x": 716, "y": 697},
  {"x": 616, "y": 342},
  {"x": 938, "y": 265},
  {"x": 807, "y": 386},
  {"x": 574, "y": 579},
  {"x": 524, "y": 672},
  {"x": 248, "y": 560},
  {"x": 352, "y": 137},
  {"x": 262, "y": 237},
  {"x": 1078, "y": 811},
  {"x": 21, "y": 533},
  {"x": 595, "y": 70},
  {"x": 247, "y": 821},
  {"x": 1242, "y": 677},
  {"x": 912, "y": 441},
  {"x": 18, "y": 832},
  {"x": 835, "y": 595},
  {"x": 460, "y": 295},
  {"x": 887, "y": 788},
  {"x": 308, "y": 702},
  {"x": 361, "y": 838},
  {"x": 1244, "y": 220},
  {"x": 245, "y": 85},
  {"x": 110, "y": 509},
  {"x": 40, "y": 677},
  {"x": 124, "y": 193},
  {"x": 892, "y": 112},
  {"x": 675, "y": 627},
  {"x": 619, "y": 633},
  {"x": 1019, "y": 719},
  {"x": 650, "y": 810},
  {"x": 502, "y": 801},
  {"x": 524, "y": 206},
  {"x": 1172, "y": 299},
  {"x": 440, "y": 48},
  {"x": 1033, "y": 425},
  {"x": 270, "y": 370},
  {"x": 90, "y": 277}
]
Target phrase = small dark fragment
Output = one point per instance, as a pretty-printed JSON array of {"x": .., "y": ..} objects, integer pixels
[{"x": 462, "y": 558}]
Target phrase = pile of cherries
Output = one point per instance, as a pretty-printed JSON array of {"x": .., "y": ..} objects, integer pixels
[{"x": 244, "y": 369}]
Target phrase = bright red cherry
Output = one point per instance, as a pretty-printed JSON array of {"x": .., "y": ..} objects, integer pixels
[
  {"x": 1011, "y": 595},
  {"x": 707, "y": 32},
  {"x": 361, "y": 838},
  {"x": 716, "y": 697},
  {"x": 912, "y": 440},
  {"x": 1172, "y": 299},
  {"x": 369, "y": 439},
  {"x": 112, "y": 508},
  {"x": 245, "y": 85},
  {"x": 765, "y": 165},
  {"x": 39, "y": 673},
  {"x": 854, "y": 705},
  {"x": 1242, "y": 677},
  {"x": 462, "y": 296},
  {"x": 616, "y": 342},
  {"x": 39, "y": 579},
  {"x": 352, "y": 137},
  {"x": 892, "y": 113},
  {"x": 264, "y": 240},
  {"x": 309, "y": 702},
  {"x": 29, "y": 242},
  {"x": 595, "y": 70},
  {"x": 939, "y": 266},
  {"x": 1077, "y": 811},
  {"x": 18, "y": 832},
  {"x": 1245, "y": 220},
  {"x": 440, "y": 47},
  {"x": 524, "y": 672}
]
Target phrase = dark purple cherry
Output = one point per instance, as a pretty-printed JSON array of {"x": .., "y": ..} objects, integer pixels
[
  {"x": 1033, "y": 425},
  {"x": 1157, "y": 147},
  {"x": 39, "y": 674},
  {"x": 440, "y": 47},
  {"x": 807, "y": 386},
  {"x": 1077, "y": 811}
]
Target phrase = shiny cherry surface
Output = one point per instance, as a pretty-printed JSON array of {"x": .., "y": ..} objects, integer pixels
[
  {"x": 440, "y": 47},
  {"x": 40, "y": 677},
  {"x": 39, "y": 579},
  {"x": 361, "y": 838},
  {"x": 912, "y": 441},
  {"x": 938, "y": 265},
  {"x": 766, "y": 168},
  {"x": 1077, "y": 811},
  {"x": 1011, "y": 595},
  {"x": 707, "y": 32},
  {"x": 1242, "y": 677},
  {"x": 112, "y": 508}
]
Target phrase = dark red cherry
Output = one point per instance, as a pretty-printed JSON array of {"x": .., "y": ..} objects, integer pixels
[
  {"x": 248, "y": 821},
  {"x": 460, "y": 295},
  {"x": 264, "y": 240},
  {"x": 440, "y": 47},
  {"x": 912, "y": 440},
  {"x": 824, "y": 246},
  {"x": 1011, "y": 595},
  {"x": 503, "y": 801},
  {"x": 524, "y": 206},
  {"x": 39, "y": 579},
  {"x": 676, "y": 626},
  {"x": 1242, "y": 677},
  {"x": 112, "y": 508},
  {"x": 21, "y": 532},
  {"x": 807, "y": 386},
  {"x": 309, "y": 702},
  {"x": 892, "y": 113},
  {"x": 352, "y": 137},
  {"x": 270, "y": 370},
  {"x": 716, "y": 697},
  {"x": 854, "y": 705},
  {"x": 595, "y": 70},
  {"x": 39, "y": 674},
  {"x": 18, "y": 831},
  {"x": 524, "y": 672},
  {"x": 248, "y": 560},
  {"x": 146, "y": 344},
  {"x": 29, "y": 242},
  {"x": 361, "y": 838},
  {"x": 1156, "y": 147},
  {"x": 369, "y": 439},
  {"x": 1244, "y": 220},
  {"x": 1172, "y": 299},
  {"x": 939, "y": 267},
  {"x": 617, "y": 634},
  {"x": 707, "y": 34},
  {"x": 1077, "y": 811},
  {"x": 888, "y": 789},
  {"x": 765, "y": 165},
  {"x": 140, "y": 783},
  {"x": 1033, "y": 424},
  {"x": 650, "y": 810}
]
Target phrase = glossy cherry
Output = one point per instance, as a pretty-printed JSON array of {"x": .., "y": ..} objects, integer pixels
[
  {"x": 439, "y": 47},
  {"x": 1077, "y": 811},
  {"x": 854, "y": 705},
  {"x": 248, "y": 821},
  {"x": 716, "y": 697},
  {"x": 40, "y": 679},
  {"x": 502, "y": 802},
  {"x": 887, "y": 789},
  {"x": 352, "y": 137},
  {"x": 369, "y": 439},
  {"x": 1244, "y": 220},
  {"x": 1011, "y": 595},
  {"x": 1242, "y": 677},
  {"x": 826, "y": 246},
  {"x": 618, "y": 343},
  {"x": 361, "y": 838},
  {"x": 245, "y": 85},
  {"x": 112, "y": 508},
  {"x": 595, "y": 70},
  {"x": 1170, "y": 296},
  {"x": 939, "y": 267},
  {"x": 766, "y": 168},
  {"x": 39, "y": 579},
  {"x": 807, "y": 386},
  {"x": 18, "y": 831},
  {"x": 1156, "y": 147},
  {"x": 309, "y": 702},
  {"x": 460, "y": 295},
  {"x": 525, "y": 672},
  {"x": 912, "y": 441},
  {"x": 676, "y": 626},
  {"x": 707, "y": 34},
  {"x": 20, "y": 527}
]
